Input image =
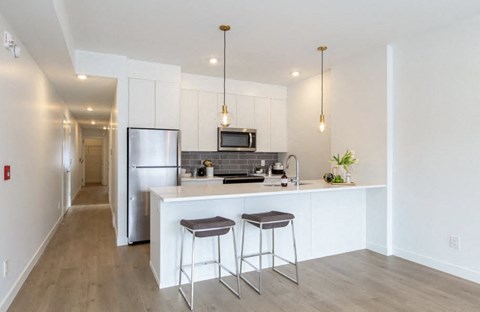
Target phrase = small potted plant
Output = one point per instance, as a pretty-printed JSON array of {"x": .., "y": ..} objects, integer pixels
[
  {"x": 346, "y": 161},
  {"x": 209, "y": 166}
]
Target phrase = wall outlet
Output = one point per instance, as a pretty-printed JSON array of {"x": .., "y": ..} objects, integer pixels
[
  {"x": 262, "y": 162},
  {"x": 454, "y": 242},
  {"x": 5, "y": 267}
]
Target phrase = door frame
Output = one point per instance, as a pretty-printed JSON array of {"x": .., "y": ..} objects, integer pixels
[{"x": 66, "y": 165}]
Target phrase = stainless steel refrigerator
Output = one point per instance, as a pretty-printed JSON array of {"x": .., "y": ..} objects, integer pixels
[{"x": 153, "y": 160}]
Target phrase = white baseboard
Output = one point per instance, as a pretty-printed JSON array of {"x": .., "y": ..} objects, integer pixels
[
  {"x": 377, "y": 248},
  {"x": 446, "y": 267},
  {"x": 154, "y": 274},
  {"x": 26, "y": 271}
]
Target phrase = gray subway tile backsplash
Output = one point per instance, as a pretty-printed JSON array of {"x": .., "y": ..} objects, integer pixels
[{"x": 227, "y": 162}]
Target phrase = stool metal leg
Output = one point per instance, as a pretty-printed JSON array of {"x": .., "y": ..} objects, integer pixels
[
  {"x": 243, "y": 243},
  {"x": 181, "y": 260},
  {"x": 236, "y": 260},
  {"x": 292, "y": 263},
  {"x": 295, "y": 250},
  {"x": 273, "y": 247},
  {"x": 192, "y": 271}
]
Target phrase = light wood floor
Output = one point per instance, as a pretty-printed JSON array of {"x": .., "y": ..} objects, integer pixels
[
  {"x": 82, "y": 270},
  {"x": 92, "y": 194}
]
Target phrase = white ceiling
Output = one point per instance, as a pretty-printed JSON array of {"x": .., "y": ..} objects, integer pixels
[{"x": 269, "y": 38}]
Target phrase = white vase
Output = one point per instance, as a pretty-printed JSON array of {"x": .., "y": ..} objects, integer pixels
[{"x": 209, "y": 171}]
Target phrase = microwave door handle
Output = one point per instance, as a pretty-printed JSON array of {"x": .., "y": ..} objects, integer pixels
[{"x": 250, "y": 141}]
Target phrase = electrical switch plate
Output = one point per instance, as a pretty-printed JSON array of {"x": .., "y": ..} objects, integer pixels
[
  {"x": 455, "y": 242},
  {"x": 262, "y": 162},
  {"x": 6, "y": 173},
  {"x": 7, "y": 38}
]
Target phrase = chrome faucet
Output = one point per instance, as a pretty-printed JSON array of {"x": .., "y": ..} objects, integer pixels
[{"x": 295, "y": 180}]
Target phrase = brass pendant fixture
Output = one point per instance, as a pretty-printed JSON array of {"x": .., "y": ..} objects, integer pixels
[
  {"x": 322, "y": 124},
  {"x": 225, "y": 116}
]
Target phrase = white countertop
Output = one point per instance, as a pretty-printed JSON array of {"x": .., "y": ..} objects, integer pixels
[{"x": 224, "y": 191}]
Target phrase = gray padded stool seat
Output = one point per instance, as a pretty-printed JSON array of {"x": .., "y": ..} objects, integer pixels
[
  {"x": 267, "y": 221},
  {"x": 221, "y": 224},
  {"x": 201, "y": 228},
  {"x": 277, "y": 216}
]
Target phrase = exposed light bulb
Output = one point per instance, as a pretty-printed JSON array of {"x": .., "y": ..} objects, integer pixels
[
  {"x": 225, "y": 117},
  {"x": 322, "y": 123}
]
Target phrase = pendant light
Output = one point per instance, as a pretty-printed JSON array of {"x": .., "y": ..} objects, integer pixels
[
  {"x": 225, "y": 116},
  {"x": 322, "y": 116}
]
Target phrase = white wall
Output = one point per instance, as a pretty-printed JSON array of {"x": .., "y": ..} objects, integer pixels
[
  {"x": 304, "y": 137},
  {"x": 436, "y": 171},
  {"x": 31, "y": 137},
  {"x": 359, "y": 114}
]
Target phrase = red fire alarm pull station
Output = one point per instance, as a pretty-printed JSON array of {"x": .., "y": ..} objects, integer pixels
[{"x": 6, "y": 173}]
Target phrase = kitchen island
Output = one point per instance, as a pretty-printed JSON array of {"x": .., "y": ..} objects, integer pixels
[{"x": 328, "y": 220}]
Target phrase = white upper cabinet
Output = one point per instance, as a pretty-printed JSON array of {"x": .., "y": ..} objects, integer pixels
[
  {"x": 278, "y": 121},
  {"x": 167, "y": 101},
  {"x": 207, "y": 121},
  {"x": 189, "y": 120},
  {"x": 231, "y": 101},
  {"x": 141, "y": 103},
  {"x": 245, "y": 111},
  {"x": 262, "y": 124}
]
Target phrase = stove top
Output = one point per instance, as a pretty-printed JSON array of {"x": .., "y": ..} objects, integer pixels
[{"x": 234, "y": 178}]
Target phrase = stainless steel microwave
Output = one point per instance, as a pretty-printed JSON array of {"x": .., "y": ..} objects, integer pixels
[{"x": 237, "y": 140}]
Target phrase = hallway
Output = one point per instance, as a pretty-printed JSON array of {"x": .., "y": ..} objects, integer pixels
[
  {"x": 83, "y": 270},
  {"x": 91, "y": 194}
]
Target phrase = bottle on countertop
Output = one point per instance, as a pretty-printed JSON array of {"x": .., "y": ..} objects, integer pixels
[{"x": 284, "y": 179}]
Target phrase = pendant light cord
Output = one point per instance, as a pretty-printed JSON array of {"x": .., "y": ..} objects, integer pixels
[
  {"x": 322, "y": 84},
  {"x": 224, "y": 63}
]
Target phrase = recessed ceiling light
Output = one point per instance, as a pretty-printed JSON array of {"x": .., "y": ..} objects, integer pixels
[
  {"x": 93, "y": 122},
  {"x": 295, "y": 73},
  {"x": 213, "y": 60},
  {"x": 89, "y": 109},
  {"x": 82, "y": 77},
  {"x": 104, "y": 128}
]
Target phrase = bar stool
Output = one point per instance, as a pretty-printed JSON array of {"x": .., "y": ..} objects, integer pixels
[
  {"x": 266, "y": 221},
  {"x": 216, "y": 226}
]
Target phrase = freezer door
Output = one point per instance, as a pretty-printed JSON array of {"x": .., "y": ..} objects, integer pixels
[
  {"x": 140, "y": 179},
  {"x": 153, "y": 147}
]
